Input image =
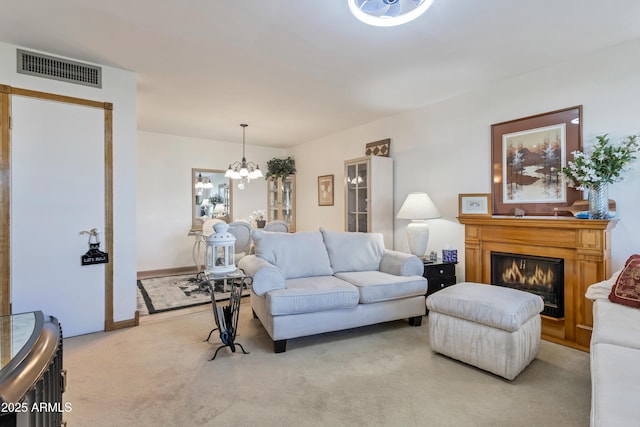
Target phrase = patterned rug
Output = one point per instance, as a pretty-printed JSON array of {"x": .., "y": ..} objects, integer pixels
[{"x": 174, "y": 292}]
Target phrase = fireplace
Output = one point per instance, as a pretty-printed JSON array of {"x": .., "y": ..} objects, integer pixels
[{"x": 536, "y": 274}]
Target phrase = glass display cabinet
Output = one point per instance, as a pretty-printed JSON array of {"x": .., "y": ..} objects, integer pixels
[
  {"x": 281, "y": 200},
  {"x": 369, "y": 196}
]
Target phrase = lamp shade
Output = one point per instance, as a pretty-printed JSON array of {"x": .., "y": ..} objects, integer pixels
[{"x": 418, "y": 206}]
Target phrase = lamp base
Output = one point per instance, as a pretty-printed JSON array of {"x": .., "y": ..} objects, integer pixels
[{"x": 418, "y": 236}]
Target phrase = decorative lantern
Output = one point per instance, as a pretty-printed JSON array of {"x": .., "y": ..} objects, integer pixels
[{"x": 219, "y": 256}]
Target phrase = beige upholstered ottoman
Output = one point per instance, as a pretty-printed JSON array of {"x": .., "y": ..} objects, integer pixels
[{"x": 491, "y": 327}]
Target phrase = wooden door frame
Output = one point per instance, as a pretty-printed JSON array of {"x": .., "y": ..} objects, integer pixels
[{"x": 5, "y": 192}]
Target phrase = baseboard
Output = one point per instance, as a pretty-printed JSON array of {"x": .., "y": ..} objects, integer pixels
[
  {"x": 121, "y": 324},
  {"x": 166, "y": 272}
]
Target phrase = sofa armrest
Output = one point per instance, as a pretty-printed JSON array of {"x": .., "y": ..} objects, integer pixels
[
  {"x": 401, "y": 264},
  {"x": 266, "y": 276}
]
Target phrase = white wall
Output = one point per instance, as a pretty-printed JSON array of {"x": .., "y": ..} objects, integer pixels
[
  {"x": 444, "y": 149},
  {"x": 119, "y": 88},
  {"x": 164, "y": 192}
]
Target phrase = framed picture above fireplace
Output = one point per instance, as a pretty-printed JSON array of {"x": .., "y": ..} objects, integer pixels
[{"x": 527, "y": 157}]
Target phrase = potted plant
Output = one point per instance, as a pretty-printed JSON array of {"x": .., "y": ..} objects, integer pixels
[
  {"x": 280, "y": 168},
  {"x": 258, "y": 217}
]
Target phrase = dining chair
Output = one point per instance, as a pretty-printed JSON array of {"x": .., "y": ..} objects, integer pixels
[
  {"x": 278, "y": 226},
  {"x": 242, "y": 231}
]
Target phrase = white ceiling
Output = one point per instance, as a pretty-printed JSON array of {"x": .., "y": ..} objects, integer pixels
[{"x": 300, "y": 70}]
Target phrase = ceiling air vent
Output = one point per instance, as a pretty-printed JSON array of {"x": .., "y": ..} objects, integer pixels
[{"x": 49, "y": 67}]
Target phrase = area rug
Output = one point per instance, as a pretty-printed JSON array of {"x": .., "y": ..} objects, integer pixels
[{"x": 167, "y": 293}]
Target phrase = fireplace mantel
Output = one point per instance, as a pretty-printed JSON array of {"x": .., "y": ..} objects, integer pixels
[{"x": 584, "y": 244}]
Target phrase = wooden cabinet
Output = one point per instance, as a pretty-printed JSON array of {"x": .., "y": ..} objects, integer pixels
[
  {"x": 368, "y": 193},
  {"x": 281, "y": 200}
]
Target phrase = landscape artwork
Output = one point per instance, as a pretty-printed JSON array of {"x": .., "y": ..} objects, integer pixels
[{"x": 532, "y": 164}]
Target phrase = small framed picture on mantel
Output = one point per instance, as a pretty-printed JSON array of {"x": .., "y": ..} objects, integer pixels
[{"x": 476, "y": 204}]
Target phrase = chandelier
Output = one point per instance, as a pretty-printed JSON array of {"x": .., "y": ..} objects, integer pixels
[
  {"x": 203, "y": 183},
  {"x": 243, "y": 170},
  {"x": 388, "y": 13}
]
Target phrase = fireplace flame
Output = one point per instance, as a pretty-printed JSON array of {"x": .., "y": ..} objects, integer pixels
[{"x": 513, "y": 274}]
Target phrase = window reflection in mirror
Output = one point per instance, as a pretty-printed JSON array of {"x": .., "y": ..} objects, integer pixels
[{"x": 211, "y": 196}]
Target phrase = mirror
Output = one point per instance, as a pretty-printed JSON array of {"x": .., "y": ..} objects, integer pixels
[{"x": 211, "y": 196}]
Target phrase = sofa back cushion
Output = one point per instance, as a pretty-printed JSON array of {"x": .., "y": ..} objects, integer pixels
[
  {"x": 300, "y": 254},
  {"x": 349, "y": 251}
]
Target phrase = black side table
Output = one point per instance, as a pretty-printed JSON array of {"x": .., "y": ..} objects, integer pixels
[
  {"x": 439, "y": 274},
  {"x": 226, "y": 317}
]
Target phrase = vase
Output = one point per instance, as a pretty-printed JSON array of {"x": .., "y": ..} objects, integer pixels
[
  {"x": 261, "y": 223},
  {"x": 598, "y": 200}
]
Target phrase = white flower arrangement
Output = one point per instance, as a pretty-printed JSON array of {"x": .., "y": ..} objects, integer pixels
[
  {"x": 258, "y": 215},
  {"x": 604, "y": 164}
]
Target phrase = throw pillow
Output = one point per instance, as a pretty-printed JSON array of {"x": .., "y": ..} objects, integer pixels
[{"x": 626, "y": 290}]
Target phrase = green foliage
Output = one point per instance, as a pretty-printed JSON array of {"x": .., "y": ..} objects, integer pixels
[
  {"x": 605, "y": 162},
  {"x": 280, "y": 168},
  {"x": 215, "y": 199}
]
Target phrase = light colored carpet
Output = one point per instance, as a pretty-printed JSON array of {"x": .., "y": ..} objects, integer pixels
[{"x": 384, "y": 375}]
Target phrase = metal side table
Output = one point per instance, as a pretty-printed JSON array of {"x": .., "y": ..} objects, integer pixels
[{"x": 226, "y": 317}]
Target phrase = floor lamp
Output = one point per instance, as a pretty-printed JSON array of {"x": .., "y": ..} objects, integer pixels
[{"x": 418, "y": 207}]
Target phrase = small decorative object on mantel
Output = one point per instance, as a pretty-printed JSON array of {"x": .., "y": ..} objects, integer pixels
[
  {"x": 478, "y": 204},
  {"x": 280, "y": 168},
  {"x": 580, "y": 209},
  {"x": 378, "y": 148},
  {"x": 601, "y": 167}
]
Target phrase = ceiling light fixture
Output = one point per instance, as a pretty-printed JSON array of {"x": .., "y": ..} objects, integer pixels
[
  {"x": 388, "y": 13},
  {"x": 243, "y": 170}
]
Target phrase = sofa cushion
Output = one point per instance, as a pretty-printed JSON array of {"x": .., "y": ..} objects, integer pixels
[
  {"x": 311, "y": 294},
  {"x": 615, "y": 324},
  {"x": 615, "y": 385},
  {"x": 626, "y": 290},
  {"x": 300, "y": 254},
  {"x": 496, "y": 306},
  {"x": 350, "y": 251},
  {"x": 375, "y": 286}
]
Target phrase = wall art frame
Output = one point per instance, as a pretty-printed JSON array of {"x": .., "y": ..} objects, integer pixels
[
  {"x": 527, "y": 157},
  {"x": 476, "y": 204},
  {"x": 325, "y": 190}
]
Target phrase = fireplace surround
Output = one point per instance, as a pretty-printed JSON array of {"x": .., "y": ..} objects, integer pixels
[
  {"x": 542, "y": 276},
  {"x": 583, "y": 244}
]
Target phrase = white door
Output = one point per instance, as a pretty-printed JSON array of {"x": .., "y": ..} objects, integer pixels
[{"x": 57, "y": 190}]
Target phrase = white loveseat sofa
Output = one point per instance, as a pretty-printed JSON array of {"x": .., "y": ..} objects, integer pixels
[
  {"x": 615, "y": 357},
  {"x": 307, "y": 283}
]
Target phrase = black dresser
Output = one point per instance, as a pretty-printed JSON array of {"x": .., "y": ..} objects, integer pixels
[{"x": 439, "y": 274}]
